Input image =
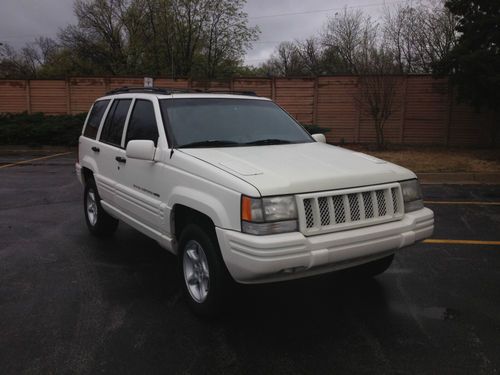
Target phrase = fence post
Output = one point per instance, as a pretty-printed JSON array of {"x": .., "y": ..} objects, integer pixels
[
  {"x": 315, "y": 101},
  {"x": 403, "y": 110},
  {"x": 28, "y": 96},
  {"x": 68, "y": 96},
  {"x": 273, "y": 88},
  {"x": 360, "y": 110},
  {"x": 107, "y": 84},
  {"x": 450, "y": 112}
]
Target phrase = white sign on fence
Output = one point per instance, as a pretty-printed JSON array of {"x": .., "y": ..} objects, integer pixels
[{"x": 148, "y": 82}]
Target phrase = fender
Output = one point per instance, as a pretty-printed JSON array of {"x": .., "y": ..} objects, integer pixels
[
  {"x": 200, "y": 201},
  {"x": 89, "y": 163}
]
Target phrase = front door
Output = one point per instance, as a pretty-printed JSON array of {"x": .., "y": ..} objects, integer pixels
[
  {"x": 111, "y": 149},
  {"x": 139, "y": 180}
]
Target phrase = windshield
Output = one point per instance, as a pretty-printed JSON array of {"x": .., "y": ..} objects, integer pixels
[{"x": 223, "y": 122}]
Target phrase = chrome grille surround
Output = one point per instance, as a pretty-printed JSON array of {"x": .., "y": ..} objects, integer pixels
[{"x": 337, "y": 210}]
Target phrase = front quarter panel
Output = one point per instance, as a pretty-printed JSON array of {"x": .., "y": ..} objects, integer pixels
[
  {"x": 200, "y": 186},
  {"x": 221, "y": 206}
]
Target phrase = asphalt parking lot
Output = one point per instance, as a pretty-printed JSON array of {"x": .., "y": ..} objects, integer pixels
[{"x": 70, "y": 303}]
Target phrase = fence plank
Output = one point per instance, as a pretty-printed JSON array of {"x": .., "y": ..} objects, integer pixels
[
  {"x": 28, "y": 96},
  {"x": 48, "y": 96}
]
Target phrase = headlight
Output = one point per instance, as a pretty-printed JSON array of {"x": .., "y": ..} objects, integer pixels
[
  {"x": 412, "y": 195},
  {"x": 268, "y": 215}
]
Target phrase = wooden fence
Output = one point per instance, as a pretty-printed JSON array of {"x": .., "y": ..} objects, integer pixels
[{"x": 424, "y": 110}]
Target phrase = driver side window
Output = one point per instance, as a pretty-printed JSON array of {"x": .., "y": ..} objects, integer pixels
[{"x": 142, "y": 123}]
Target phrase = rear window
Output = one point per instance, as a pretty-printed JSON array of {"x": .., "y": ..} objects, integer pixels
[{"x": 95, "y": 118}]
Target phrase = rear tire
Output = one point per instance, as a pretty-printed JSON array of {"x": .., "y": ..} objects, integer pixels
[
  {"x": 98, "y": 221},
  {"x": 374, "y": 268},
  {"x": 205, "y": 279}
]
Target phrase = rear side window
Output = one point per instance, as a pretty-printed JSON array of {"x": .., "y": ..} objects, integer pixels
[
  {"x": 95, "y": 117},
  {"x": 112, "y": 129},
  {"x": 142, "y": 123}
]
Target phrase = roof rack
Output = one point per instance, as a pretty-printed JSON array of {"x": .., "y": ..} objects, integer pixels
[
  {"x": 170, "y": 91},
  {"x": 157, "y": 90},
  {"x": 246, "y": 93}
]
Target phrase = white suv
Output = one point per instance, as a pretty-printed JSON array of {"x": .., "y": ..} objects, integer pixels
[{"x": 240, "y": 191}]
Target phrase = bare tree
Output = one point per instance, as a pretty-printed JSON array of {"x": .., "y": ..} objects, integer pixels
[
  {"x": 227, "y": 35},
  {"x": 48, "y": 49},
  {"x": 11, "y": 64},
  {"x": 437, "y": 37},
  {"x": 378, "y": 87},
  {"x": 349, "y": 36},
  {"x": 285, "y": 62},
  {"x": 26, "y": 62},
  {"x": 311, "y": 53},
  {"x": 419, "y": 35},
  {"x": 98, "y": 40},
  {"x": 180, "y": 37},
  {"x": 400, "y": 29}
]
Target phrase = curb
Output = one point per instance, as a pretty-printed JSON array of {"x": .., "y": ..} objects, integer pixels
[
  {"x": 26, "y": 150},
  {"x": 7, "y": 149},
  {"x": 459, "y": 178}
]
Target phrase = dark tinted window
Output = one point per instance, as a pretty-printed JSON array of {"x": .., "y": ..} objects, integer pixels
[
  {"x": 95, "y": 118},
  {"x": 112, "y": 129},
  {"x": 142, "y": 123},
  {"x": 235, "y": 121}
]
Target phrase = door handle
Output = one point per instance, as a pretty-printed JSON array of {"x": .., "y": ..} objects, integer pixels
[
  {"x": 95, "y": 149},
  {"x": 120, "y": 159}
]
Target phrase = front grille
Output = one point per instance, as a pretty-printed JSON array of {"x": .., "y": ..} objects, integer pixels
[{"x": 347, "y": 209}]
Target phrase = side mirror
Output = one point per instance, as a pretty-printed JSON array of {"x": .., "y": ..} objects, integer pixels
[
  {"x": 319, "y": 138},
  {"x": 141, "y": 149}
]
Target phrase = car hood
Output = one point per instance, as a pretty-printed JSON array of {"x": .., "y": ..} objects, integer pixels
[{"x": 301, "y": 168}]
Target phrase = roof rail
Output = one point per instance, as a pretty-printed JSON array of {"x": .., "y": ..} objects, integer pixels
[
  {"x": 170, "y": 91},
  {"x": 154, "y": 90},
  {"x": 246, "y": 93}
]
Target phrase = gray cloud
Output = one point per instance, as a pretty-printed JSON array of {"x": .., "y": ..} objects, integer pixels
[{"x": 22, "y": 21}]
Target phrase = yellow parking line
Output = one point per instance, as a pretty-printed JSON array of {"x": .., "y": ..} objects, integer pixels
[
  {"x": 462, "y": 242},
  {"x": 478, "y": 203},
  {"x": 36, "y": 159}
]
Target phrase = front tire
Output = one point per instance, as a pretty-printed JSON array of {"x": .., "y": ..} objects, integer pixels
[
  {"x": 205, "y": 281},
  {"x": 98, "y": 221}
]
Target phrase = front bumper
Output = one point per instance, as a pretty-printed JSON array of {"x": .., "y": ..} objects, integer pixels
[{"x": 259, "y": 259}]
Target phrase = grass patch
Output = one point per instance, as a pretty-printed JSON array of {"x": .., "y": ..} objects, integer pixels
[
  {"x": 422, "y": 159},
  {"x": 38, "y": 129}
]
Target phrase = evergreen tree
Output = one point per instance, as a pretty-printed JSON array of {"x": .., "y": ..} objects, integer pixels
[{"x": 474, "y": 62}]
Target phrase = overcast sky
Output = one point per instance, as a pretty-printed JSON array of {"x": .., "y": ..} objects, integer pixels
[{"x": 279, "y": 20}]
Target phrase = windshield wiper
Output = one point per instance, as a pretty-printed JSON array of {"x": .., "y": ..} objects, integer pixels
[
  {"x": 268, "y": 142},
  {"x": 209, "y": 143}
]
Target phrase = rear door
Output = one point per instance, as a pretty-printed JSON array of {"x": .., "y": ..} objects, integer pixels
[
  {"x": 111, "y": 150},
  {"x": 139, "y": 180},
  {"x": 89, "y": 148}
]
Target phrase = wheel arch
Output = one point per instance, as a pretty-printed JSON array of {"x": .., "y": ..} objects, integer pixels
[
  {"x": 89, "y": 166},
  {"x": 87, "y": 174},
  {"x": 182, "y": 215},
  {"x": 197, "y": 203}
]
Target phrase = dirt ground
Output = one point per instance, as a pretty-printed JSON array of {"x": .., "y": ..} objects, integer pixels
[{"x": 438, "y": 159}]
